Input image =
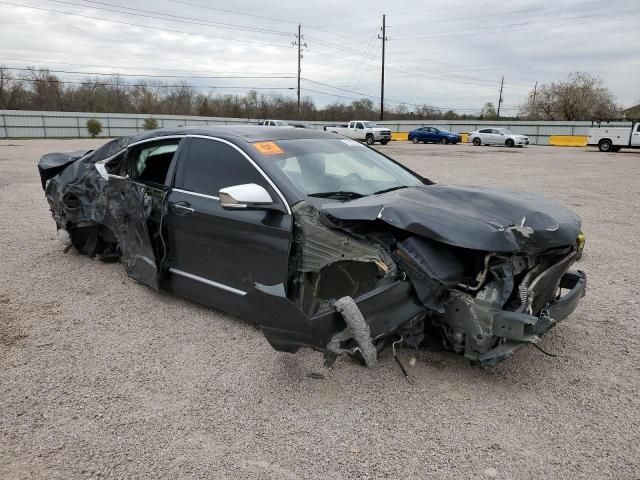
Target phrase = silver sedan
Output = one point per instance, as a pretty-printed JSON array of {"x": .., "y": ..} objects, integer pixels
[{"x": 497, "y": 136}]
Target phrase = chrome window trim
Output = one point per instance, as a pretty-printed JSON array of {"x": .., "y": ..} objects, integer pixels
[
  {"x": 255, "y": 165},
  {"x": 180, "y": 190},
  {"x": 121, "y": 151},
  {"x": 207, "y": 282}
]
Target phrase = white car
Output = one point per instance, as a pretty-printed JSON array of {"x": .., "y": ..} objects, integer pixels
[
  {"x": 274, "y": 123},
  {"x": 497, "y": 136}
]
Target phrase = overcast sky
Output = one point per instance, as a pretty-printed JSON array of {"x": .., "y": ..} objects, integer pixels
[{"x": 449, "y": 54}]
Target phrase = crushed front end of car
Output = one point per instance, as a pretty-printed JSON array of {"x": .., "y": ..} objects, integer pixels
[{"x": 483, "y": 271}]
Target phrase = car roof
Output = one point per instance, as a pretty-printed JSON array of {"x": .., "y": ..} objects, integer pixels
[
  {"x": 237, "y": 134},
  {"x": 248, "y": 133}
]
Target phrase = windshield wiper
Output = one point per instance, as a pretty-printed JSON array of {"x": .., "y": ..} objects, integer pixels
[
  {"x": 338, "y": 195},
  {"x": 398, "y": 187}
]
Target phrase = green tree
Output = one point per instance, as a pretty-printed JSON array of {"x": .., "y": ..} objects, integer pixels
[
  {"x": 488, "y": 112},
  {"x": 150, "y": 123},
  {"x": 94, "y": 127}
]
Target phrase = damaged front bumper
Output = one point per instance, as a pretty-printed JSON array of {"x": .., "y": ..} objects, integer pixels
[
  {"x": 517, "y": 329},
  {"x": 288, "y": 329}
]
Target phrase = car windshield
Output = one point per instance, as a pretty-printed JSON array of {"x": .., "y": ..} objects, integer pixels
[
  {"x": 341, "y": 169},
  {"x": 369, "y": 125},
  {"x": 507, "y": 132},
  {"x": 281, "y": 123}
]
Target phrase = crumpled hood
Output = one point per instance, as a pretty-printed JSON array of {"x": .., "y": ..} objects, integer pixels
[{"x": 476, "y": 218}]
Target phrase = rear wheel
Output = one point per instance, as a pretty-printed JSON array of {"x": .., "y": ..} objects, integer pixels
[
  {"x": 477, "y": 142},
  {"x": 444, "y": 141},
  {"x": 415, "y": 140},
  {"x": 370, "y": 140},
  {"x": 509, "y": 143},
  {"x": 605, "y": 145}
]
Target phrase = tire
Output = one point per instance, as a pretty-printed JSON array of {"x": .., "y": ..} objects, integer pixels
[
  {"x": 444, "y": 141},
  {"x": 510, "y": 143},
  {"x": 384, "y": 142},
  {"x": 415, "y": 140},
  {"x": 370, "y": 140},
  {"x": 477, "y": 142},
  {"x": 605, "y": 145}
]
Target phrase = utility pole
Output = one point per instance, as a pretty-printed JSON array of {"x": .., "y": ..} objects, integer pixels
[
  {"x": 533, "y": 102},
  {"x": 500, "y": 98},
  {"x": 384, "y": 41},
  {"x": 299, "y": 43}
]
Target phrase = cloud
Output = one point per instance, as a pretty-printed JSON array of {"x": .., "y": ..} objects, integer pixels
[{"x": 444, "y": 53}]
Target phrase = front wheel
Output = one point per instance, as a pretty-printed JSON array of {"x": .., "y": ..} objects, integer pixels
[
  {"x": 444, "y": 141},
  {"x": 384, "y": 142},
  {"x": 370, "y": 140},
  {"x": 477, "y": 142},
  {"x": 605, "y": 145},
  {"x": 415, "y": 140},
  {"x": 509, "y": 143}
]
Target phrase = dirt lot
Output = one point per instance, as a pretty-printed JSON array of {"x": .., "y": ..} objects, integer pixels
[{"x": 103, "y": 377}]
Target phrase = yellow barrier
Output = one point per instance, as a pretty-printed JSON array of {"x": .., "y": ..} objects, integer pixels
[
  {"x": 568, "y": 140},
  {"x": 400, "y": 136}
]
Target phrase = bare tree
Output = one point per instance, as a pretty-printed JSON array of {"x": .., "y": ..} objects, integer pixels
[{"x": 581, "y": 97}]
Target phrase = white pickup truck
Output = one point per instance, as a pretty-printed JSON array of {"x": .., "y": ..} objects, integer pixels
[
  {"x": 364, "y": 131},
  {"x": 612, "y": 139}
]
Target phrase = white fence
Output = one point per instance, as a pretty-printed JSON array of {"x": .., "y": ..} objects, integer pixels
[{"x": 31, "y": 124}]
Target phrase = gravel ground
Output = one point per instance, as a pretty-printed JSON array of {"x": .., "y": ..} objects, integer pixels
[{"x": 103, "y": 377}]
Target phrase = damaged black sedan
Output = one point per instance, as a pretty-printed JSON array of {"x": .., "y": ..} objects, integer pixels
[{"x": 322, "y": 241}]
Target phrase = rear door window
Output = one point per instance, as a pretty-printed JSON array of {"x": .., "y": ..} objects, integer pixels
[
  {"x": 210, "y": 165},
  {"x": 485, "y": 130},
  {"x": 150, "y": 162}
]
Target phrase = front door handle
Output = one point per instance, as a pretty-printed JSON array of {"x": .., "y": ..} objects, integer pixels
[{"x": 181, "y": 208}]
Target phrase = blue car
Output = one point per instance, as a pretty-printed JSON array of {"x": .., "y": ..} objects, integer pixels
[{"x": 433, "y": 135}]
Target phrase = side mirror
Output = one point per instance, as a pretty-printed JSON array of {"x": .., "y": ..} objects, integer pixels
[{"x": 248, "y": 196}]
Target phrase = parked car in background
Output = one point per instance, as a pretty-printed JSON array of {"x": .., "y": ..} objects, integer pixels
[
  {"x": 300, "y": 125},
  {"x": 364, "y": 131},
  {"x": 612, "y": 139},
  {"x": 497, "y": 136},
  {"x": 433, "y": 135},
  {"x": 274, "y": 123}
]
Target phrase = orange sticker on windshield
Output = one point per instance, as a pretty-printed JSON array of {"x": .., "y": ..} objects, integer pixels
[{"x": 268, "y": 148}]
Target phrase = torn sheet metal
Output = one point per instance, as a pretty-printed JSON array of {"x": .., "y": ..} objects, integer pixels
[{"x": 80, "y": 199}]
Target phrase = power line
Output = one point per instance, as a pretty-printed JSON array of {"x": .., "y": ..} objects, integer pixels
[
  {"x": 173, "y": 18},
  {"x": 152, "y": 86},
  {"x": 144, "y": 26},
  {"x": 26, "y": 60},
  {"x": 148, "y": 75}
]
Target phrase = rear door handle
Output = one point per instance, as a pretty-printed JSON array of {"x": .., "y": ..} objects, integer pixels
[{"x": 181, "y": 208}]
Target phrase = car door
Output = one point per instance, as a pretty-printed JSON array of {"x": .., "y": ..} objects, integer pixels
[
  {"x": 216, "y": 256},
  {"x": 136, "y": 194},
  {"x": 635, "y": 136},
  {"x": 482, "y": 134}
]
